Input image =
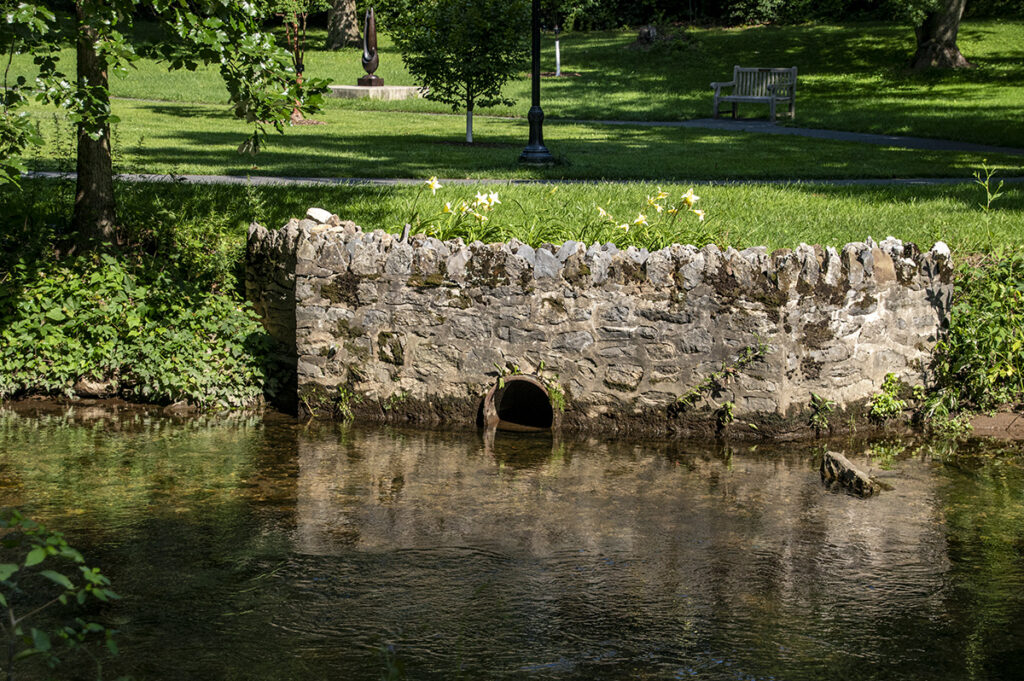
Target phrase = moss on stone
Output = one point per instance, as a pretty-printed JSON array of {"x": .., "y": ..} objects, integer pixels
[
  {"x": 426, "y": 280},
  {"x": 817, "y": 334},
  {"x": 343, "y": 289},
  {"x": 346, "y": 329},
  {"x": 389, "y": 348}
]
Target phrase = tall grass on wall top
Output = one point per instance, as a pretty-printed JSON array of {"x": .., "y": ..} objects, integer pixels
[{"x": 654, "y": 221}]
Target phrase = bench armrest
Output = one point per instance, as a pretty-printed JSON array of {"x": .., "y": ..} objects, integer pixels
[
  {"x": 718, "y": 86},
  {"x": 781, "y": 89}
]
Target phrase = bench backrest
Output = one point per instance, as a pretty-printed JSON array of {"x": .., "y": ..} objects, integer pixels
[{"x": 754, "y": 82}]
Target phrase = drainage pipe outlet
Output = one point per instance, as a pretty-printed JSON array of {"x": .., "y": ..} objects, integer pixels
[{"x": 518, "y": 403}]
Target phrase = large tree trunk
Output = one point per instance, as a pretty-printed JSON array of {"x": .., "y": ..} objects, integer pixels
[
  {"x": 936, "y": 39},
  {"x": 94, "y": 217},
  {"x": 342, "y": 25}
]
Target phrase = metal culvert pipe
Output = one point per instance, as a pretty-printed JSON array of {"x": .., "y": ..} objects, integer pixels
[{"x": 518, "y": 403}]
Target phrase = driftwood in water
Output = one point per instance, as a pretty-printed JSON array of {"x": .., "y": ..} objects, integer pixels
[{"x": 836, "y": 469}]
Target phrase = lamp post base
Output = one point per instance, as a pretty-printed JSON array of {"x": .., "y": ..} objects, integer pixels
[
  {"x": 537, "y": 157},
  {"x": 535, "y": 152}
]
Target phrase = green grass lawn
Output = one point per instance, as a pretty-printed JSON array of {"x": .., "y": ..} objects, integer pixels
[
  {"x": 170, "y": 137},
  {"x": 852, "y": 77},
  {"x": 215, "y": 218}
]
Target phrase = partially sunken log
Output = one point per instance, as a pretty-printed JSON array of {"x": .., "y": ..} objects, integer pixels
[{"x": 836, "y": 469}]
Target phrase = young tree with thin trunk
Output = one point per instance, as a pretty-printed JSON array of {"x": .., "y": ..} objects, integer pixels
[
  {"x": 462, "y": 51},
  {"x": 342, "y": 25},
  {"x": 295, "y": 16},
  {"x": 258, "y": 74}
]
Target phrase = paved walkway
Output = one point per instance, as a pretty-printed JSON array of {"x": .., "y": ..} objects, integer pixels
[{"x": 272, "y": 181}]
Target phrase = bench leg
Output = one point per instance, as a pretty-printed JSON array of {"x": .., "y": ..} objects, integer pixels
[
  {"x": 792, "y": 109},
  {"x": 771, "y": 106},
  {"x": 734, "y": 105},
  {"x": 714, "y": 109}
]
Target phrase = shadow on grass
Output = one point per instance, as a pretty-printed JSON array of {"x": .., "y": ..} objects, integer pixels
[
  {"x": 849, "y": 75},
  {"x": 626, "y": 153}
]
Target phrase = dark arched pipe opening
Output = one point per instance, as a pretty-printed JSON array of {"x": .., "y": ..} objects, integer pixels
[{"x": 519, "y": 403}]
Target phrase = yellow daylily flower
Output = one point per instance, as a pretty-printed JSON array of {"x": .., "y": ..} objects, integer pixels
[
  {"x": 492, "y": 198},
  {"x": 658, "y": 207},
  {"x": 447, "y": 207},
  {"x": 673, "y": 211},
  {"x": 699, "y": 214},
  {"x": 641, "y": 219},
  {"x": 624, "y": 226},
  {"x": 661, "y": 195},
  {"x": 480, "y": 217},
  {"x": 602, "y": 213},
  {"x": 689, "y": 198},
  {"x": 433, "y": 184}
]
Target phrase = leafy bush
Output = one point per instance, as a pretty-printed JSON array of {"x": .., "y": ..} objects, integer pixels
[
  {"x": 137, "y": 326},
  {"x": 887, "y": 404},
  {"x": 980, "y": 362}
]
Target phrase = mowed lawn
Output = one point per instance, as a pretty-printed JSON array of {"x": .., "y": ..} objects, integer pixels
[
  {"x": 170, "y": 137},
  {"x": 852, "y": 77}
]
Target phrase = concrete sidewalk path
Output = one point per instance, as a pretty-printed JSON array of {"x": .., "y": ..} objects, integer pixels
[
  {"x": 272, "y": 181},
  {"x": 768, "y": 128}
]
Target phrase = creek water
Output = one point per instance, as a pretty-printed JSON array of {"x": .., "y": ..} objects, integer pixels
[{"x": 258, "y": 548}]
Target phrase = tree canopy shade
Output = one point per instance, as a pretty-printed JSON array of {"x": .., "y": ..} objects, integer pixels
[
  {"x": 462, "y": 51},
  {"x": 259, "y": 76}
]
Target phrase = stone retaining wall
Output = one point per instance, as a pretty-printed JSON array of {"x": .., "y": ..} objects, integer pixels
[{"x": 419, "y": 330}]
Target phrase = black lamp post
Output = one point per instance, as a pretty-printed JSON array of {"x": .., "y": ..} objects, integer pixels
[{"x": 535, "y": 151}]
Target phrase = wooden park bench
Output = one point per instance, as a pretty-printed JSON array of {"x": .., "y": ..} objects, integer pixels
[{"x": 758, "y": 85}]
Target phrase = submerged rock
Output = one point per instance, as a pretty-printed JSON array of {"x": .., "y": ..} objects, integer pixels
[{"x": 836, "y": 469}]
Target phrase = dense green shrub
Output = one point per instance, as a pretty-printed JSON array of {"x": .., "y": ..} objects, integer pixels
[
  {"x": 160, "y": 318},
  {"x": 152, "y": 335},
  {"x": 980, "y": 363}
]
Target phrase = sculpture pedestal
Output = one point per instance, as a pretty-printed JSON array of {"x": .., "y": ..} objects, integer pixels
[
  {"x": 385, "y": 92},
  {"x": 370, "y": 80}
]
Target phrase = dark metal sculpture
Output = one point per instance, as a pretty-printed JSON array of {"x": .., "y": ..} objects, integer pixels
[{"x": 370, "y": 57}]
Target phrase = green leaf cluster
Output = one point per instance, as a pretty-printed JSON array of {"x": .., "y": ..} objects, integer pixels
[
  {"x": 40, "y": 572},
  {"x": 138, "y": 325},
  {"x": 980, "y": 362},
  {"x": 887, "y": 404}
]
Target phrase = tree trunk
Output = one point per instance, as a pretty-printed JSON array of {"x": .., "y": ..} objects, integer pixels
[
  {"x": 469, "y": 126},
  {"x": 936, "y": 39},
  {"x": 95, "y": 214},
  {"x": 342, "y": 25}
]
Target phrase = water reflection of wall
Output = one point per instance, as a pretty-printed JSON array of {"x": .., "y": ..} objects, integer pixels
[{"x": 751, "y": 532}]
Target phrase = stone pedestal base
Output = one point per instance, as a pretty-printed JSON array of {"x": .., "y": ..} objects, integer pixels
[
  {"x": 386, "y": 92},
  {"x": 370, "y": 80}
]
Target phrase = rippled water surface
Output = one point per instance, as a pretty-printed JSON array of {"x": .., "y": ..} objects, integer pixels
[{"x": 250, "y": 548}]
